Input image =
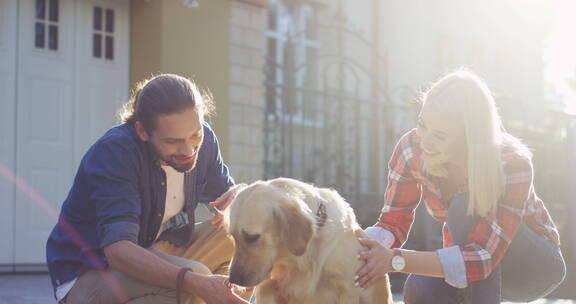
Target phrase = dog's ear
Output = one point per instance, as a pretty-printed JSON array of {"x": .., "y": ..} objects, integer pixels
[{"x": 295, "y": 228}]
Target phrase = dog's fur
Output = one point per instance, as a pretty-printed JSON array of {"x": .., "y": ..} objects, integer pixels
[{"x": 291, "y": 258}]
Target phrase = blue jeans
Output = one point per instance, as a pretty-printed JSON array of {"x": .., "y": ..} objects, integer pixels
[{"x": 531, "y": 268}]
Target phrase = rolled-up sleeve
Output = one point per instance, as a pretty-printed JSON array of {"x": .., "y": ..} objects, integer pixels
[
  {"x": 112, "y": 174},
  {"x": 118, "y": 231},
  {"x": 453, "y": 266},
  {"x": 383, "y": 236}
]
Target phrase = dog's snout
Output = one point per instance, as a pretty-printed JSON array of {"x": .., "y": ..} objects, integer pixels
[{"x": 236, "y": 277}]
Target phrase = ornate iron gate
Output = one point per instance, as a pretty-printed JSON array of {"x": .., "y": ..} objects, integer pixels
[{"x": 327, "y": 130}]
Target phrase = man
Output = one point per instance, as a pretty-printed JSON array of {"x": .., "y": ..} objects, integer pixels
[{"x": 134, "y": 196}]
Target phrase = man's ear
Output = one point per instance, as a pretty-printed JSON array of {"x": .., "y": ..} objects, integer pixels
[{"x": 141, "y": 131}]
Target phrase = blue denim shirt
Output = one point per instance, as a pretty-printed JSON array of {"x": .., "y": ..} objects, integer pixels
[{"x": 119, "y": 193}]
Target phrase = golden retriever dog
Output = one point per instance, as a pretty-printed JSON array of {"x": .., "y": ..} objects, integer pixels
[{"x": 297, "y": 244}]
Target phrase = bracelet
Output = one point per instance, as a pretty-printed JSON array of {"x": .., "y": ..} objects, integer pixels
[{"x": 180, "y": 281}]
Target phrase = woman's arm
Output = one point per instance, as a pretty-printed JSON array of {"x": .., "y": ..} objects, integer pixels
[
  {"x": 379, "y": 262},
  {"x": 403, "y": 191}
]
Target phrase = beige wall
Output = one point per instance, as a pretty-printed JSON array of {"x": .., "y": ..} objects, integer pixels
[
  {"x": 145, "y": 36},
  {"x": 193, "y": 42}
]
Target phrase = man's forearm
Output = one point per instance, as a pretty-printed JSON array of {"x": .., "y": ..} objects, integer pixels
[{"x": 141, "y": 264}]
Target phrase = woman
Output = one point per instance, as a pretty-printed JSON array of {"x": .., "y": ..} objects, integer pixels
[{"x": 499, "y": 239}]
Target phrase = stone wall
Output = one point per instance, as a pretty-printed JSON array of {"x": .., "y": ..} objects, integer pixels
[{"x": 247, "y": 104}]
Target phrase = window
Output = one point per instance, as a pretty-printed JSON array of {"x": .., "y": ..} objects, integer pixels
[
  {"x": 308, "y": 76},
  {"x": 103, "y": 33},
  {"x": 292, "y": 62},
  {"x": 46, "y": 24}
]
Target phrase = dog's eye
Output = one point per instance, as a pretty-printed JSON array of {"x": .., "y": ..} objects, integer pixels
[{"x": 251, "y": 238}]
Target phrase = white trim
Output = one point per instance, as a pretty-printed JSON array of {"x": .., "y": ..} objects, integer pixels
[{"x": 30, "y": 268}]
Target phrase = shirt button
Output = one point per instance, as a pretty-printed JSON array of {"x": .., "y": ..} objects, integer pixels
[
  {"x": 159, "y": 214},
  {"x": 163, "y": 183}
]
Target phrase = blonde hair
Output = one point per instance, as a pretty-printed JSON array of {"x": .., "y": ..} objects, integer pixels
[{"x": 466, "y": 96}]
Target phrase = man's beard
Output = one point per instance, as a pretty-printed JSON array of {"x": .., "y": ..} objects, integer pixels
[{"x": 182, "y": 168}]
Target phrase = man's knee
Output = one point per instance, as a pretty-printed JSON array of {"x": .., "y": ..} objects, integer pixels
[
  {"x": 194, "y": 265},
  {"x": 197, "y": 267},
  {"x": 183, "y": 262}
]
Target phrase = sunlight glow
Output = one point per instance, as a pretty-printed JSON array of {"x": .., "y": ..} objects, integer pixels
[{"x": 560, "y": 55}]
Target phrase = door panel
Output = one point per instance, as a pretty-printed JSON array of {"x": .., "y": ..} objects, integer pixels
[
  {"x": 66, "y": 99},
  {"x": 45, "y": 107},
  {"x": 103, "y": 83}
]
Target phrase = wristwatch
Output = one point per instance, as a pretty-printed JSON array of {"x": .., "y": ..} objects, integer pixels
[{"x": 398, "y": 261}]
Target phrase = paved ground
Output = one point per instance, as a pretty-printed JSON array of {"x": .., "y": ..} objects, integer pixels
[
  {"x": 35, "y": 289},
  {"x": 25, "y": 289}
]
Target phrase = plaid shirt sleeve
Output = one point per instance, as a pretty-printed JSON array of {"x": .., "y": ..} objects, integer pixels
[
  {"x": 402, "y": 192},
  {"x": 489, "y": 239}
]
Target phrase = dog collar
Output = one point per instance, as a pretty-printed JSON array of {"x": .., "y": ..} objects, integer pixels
[{"x": 321, "y": 215}]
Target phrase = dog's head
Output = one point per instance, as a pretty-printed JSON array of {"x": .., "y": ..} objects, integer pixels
[{"x": 269, "y": 221}]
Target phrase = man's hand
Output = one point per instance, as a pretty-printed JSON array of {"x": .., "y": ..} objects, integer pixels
[
  {"x": 223, "y": 202},
  {"x": 378, "y": 263},
  {"x": 213, "y": 289}
]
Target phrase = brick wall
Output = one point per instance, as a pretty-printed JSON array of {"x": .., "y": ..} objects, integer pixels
[{"x": 247, "y": 42}]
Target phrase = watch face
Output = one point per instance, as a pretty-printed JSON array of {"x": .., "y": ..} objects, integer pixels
[{"x": 398, "y": 263}]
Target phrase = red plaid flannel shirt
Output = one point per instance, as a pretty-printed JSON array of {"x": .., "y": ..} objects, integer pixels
[{"x": 490, "y": 237}]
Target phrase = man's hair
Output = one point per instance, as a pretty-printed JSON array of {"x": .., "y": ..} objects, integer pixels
[
  {"x": 468, "y": 101},
  {"x": 162, "y": 95}
]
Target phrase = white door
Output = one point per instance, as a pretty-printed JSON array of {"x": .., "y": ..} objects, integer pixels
[
  {"x": 63, "y": 101},
  {"x": 102, "y": 68},
  {"x": 7, "y": 129},
  {"x": 45, "y": 128}
]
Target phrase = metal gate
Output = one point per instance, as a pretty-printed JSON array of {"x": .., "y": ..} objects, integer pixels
[{"x": 337, "y": 128}]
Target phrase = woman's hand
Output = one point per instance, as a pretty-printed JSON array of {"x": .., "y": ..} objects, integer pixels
[{"x": 378, "y": 263}]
